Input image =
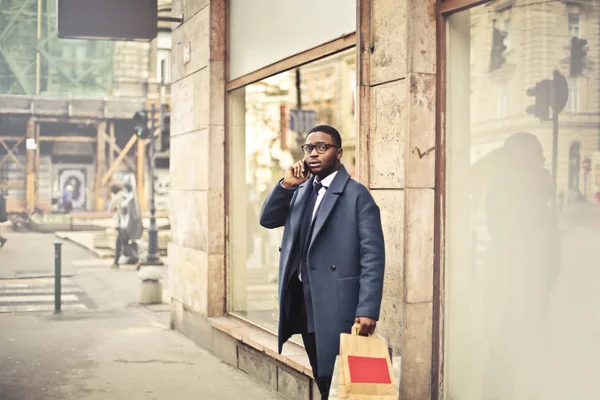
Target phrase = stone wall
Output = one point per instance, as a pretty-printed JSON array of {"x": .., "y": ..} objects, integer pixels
[
  {"x": 397, "y": 162},
  {"x": 131, "y": 69},
  {"x": 395, "y": 157},
  {"x": 197, "y": 206}
]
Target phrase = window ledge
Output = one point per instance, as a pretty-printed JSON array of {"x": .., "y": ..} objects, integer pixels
[{"x": 292, "y": 355}]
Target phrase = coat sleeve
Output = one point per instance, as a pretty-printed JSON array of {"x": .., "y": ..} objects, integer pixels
[
  {"x": 276, "y": 206},
  {"x": 372, "y": 257}
]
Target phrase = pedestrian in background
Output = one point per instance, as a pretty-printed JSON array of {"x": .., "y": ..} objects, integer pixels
[
  {"x": 67, "y": 200},
  {"x": 116, "y": 201},
  {"x": 332, "y": 258},
  {"x": 3, "y": 218},
  {"x": 131, "y": 227}
]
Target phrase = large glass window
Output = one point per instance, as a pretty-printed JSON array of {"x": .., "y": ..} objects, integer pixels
[
  {"x": 523, "y": 202},
  {"x": 268, "y": 123}
]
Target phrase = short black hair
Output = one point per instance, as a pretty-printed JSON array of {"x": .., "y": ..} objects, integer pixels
[
  {"x": 115, "y": 188},
  {"x": 331, "y": 131}
]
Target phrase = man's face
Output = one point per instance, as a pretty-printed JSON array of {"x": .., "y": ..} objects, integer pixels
[{"x": 320, "y": 164}]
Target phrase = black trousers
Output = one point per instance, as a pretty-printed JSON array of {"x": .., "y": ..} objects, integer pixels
[
  {"x": 309, "y": 339},
  {"x": 118, "y": 246}
]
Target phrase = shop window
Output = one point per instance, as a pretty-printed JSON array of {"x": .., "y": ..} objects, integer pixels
[
  {"x": 266, "y": 131},
  {"x": 522, "y": 287}
]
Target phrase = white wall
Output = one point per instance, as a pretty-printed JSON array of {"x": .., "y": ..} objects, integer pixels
[{"x": 265, "y": 31}]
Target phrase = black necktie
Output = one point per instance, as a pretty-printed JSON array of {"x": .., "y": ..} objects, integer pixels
[{"x": 306, "y": 227}]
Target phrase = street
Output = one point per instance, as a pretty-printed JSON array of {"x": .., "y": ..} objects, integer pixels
[{"x": 104, "y": 345}]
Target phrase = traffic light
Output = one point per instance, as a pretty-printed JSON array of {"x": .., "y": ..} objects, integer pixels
[
  {"x": 140, "y": 125},
  {"x": 498, "y": 48},
  {"x": 165, "y": 132},
  {"x": 542, "y": 92},
  {"x": 578, "y": 53}
]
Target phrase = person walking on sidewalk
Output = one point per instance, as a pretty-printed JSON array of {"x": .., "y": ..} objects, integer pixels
[
  {"x": 332, "y": 258},
  {"x": 116, "y": 201},
  {"x": 3, "y": 218},
  {"x": 130, "y": 224}
]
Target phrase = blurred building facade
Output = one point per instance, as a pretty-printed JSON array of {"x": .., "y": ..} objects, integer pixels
[
  {"x": 71, "y": 97},
  {"x": 489, "y": 259}
]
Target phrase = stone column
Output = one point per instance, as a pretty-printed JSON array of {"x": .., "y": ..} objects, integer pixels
[
  {"x": 197, "y": 167},
  {"x": 238, "y": 248},
  {"x": 30, "y": 171},
  {"x": 99, "y": 189},
  {"x": 397, "y": 162}
]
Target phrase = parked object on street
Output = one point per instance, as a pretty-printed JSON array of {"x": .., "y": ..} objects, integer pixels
[
  {"x": 57, "y": 276},
  {"x": 151, "y": 289},
  {"x": 3, "y": 218}
]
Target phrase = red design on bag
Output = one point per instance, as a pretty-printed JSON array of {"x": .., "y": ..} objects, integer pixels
[{"x": 369, "y": 370}]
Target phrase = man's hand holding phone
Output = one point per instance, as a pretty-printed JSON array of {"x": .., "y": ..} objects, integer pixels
[{"x": 296, "y": 174}]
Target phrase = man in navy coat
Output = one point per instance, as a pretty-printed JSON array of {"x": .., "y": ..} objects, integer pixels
[{"x": 332, "y": 258}]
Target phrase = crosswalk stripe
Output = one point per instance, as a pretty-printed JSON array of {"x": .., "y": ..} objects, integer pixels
[
  {"x": 33, "y": 282},
  {"x": 37, "y": 295},
  {"x": 40, "y": 307},
  {"x": 36, "y": 290},
  {"x": 22, "y": 299}
]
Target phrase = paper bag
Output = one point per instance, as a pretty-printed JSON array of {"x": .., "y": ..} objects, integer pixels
[
  {"x": 364, "y": 369},
  {"x": 335, "y": 383}
]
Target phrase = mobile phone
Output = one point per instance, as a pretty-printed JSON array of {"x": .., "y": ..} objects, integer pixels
[{"x": 306, "y": 170}]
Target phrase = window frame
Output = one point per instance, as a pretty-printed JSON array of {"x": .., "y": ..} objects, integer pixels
[
  {"x": 445, "y": 8},
  {"x": 324, "y": 50}
]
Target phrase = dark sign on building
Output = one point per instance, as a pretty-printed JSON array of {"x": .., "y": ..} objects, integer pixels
[{"x": 107, "y": 19}]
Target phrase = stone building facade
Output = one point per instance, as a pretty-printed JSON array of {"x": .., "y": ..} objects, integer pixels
[
  {"x": 397, "y": 124},
  {"x": 422, "y": 103}
]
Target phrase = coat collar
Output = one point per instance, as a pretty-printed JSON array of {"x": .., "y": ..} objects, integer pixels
[
  {"x": 335, "y": 189},
  {"x": 331, "y": 197},
  {"x": 339, "y": 181}
]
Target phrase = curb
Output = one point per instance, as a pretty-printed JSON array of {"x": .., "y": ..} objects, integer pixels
[{"x": 91, "y": 251}]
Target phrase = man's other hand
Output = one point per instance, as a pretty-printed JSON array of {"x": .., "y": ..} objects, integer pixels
[{"x": 367, "y": 325}]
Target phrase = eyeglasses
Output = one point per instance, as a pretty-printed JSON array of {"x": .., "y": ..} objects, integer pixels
[{"x": 320, "y": 146}]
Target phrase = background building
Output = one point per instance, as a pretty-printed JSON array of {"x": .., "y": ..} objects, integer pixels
[{"x": 75, "y": 99}]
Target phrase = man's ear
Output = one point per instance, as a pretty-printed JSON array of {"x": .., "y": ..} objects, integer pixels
[{"x": 340, "y": 154}]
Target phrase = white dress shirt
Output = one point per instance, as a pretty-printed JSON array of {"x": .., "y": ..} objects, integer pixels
[{"x": 326, "y": 182}]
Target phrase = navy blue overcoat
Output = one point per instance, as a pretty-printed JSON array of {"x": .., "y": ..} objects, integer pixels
[{"x": 346, "y": 258}]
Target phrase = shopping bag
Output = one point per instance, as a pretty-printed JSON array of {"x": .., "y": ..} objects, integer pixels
[
  {"x": 363, "y": 369},
  {"x": 334, "y": 393}
]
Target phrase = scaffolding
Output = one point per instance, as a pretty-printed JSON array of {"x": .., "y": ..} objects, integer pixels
[
  {"x": 35, "y": 61},
  {"x": 75, "y": 86}
]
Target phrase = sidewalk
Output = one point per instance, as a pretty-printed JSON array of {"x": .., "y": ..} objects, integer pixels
[
  {"x": 114, "y": 350},
  {"x": 110, "y": 356}
]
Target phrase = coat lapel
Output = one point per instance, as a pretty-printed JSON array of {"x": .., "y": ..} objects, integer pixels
[
  {"x": 298, "y": 207},
  {"x": 331, "y": 197}
]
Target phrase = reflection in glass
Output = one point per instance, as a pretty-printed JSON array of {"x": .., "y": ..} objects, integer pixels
[
  {"x": 522, "y": 278},
  {"x": 266, "y": 136}
]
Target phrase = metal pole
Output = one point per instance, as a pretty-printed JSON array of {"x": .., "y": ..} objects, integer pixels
[
  {"x": 38, "y": 66},
  {"x": 152, "y": 257},
  {"x": 57, "y": 277},
  {"x": 554, "y": 145}
]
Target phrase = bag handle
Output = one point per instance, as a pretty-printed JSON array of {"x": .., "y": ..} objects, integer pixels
[{"x": 356, "y": 330}]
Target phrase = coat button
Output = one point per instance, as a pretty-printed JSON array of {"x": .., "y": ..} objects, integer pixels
[
  {"x": 333, "y": 267},
  {"x": 280, "y": 249}
]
